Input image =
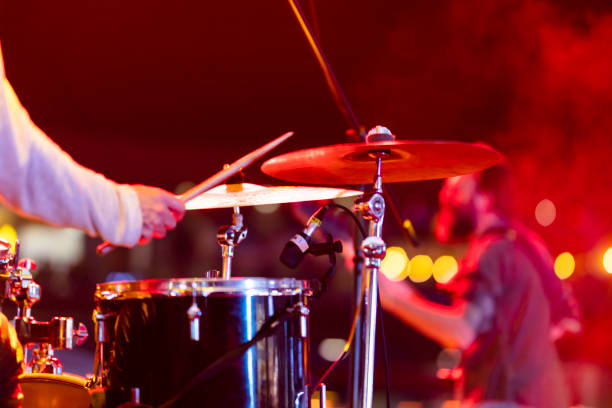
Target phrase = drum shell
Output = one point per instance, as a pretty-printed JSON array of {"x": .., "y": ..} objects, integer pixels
[
  {"x": 53, "y": 391},
  {"x": 152, "y": 349}
]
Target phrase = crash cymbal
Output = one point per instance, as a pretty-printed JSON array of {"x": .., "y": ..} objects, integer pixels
[
  {"x": 245, "y": 194},
  {"x": 405, "y": 160}
]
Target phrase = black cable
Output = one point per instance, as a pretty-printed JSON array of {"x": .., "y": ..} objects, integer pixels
[
  {"x": 385, "y": 354},
  {"x": 353, "y": 216}
]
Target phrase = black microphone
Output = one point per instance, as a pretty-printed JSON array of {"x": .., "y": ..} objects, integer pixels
[{"x": 295, "y": 250}]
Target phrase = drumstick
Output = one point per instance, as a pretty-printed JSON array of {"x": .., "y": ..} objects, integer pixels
[{"x": 106, "y": 247}]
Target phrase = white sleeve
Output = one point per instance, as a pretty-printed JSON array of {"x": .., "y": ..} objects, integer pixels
[{"x": 41, "y": 181}]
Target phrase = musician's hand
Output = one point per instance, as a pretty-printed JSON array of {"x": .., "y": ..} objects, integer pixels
[{"x": 160, "y": 212}]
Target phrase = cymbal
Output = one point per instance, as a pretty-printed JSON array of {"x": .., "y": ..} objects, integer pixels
[
  {"x": 245, "y": 194},
  {"x": 405, "y": 160}
]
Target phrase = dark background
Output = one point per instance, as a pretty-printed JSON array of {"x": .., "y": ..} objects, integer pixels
[{"x": 161, "y": 93}]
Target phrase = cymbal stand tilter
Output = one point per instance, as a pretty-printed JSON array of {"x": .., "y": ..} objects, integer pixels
[{"x": 229, "y": 236}]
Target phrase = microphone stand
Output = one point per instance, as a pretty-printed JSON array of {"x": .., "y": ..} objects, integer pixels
[{"x": 361, "y": 374}]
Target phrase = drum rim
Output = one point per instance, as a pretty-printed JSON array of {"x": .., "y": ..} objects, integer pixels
[
  {"x": 65, "y": 378},
  {"x": 179, "y": 287}
]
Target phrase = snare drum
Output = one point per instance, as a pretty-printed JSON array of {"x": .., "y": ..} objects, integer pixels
[
  {"x": 145, "y": 341},
  {"x": 53, "y": 391}
]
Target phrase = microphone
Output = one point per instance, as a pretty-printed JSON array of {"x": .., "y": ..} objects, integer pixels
[{"x": 294, "y": 251}]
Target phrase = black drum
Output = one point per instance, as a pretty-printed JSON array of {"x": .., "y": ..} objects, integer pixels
[{"x": 149, "y": 345}]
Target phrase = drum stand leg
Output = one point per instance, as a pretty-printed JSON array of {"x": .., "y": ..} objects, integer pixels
[
  {"x": 229, "y": 236},
  {"x": 372, "y": 207}
]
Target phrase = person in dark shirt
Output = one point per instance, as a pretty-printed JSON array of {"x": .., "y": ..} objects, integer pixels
[{"x": 508, "y": 305}]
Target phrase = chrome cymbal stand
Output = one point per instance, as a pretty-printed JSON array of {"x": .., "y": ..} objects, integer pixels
[
  {"x": 372, "y": 208},
  {"x": 229, "y": 236}
]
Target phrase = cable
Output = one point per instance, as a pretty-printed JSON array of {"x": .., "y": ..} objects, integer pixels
[
  {"x": 347, "y": 347},
  {"x": 351, "y": 337},
  {"x": 353, "y": 216}
]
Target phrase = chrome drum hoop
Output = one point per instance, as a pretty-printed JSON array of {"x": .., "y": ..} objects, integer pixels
[{"x": 143, "y": 289}]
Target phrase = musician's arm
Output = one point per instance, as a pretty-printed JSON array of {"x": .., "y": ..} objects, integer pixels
[
  {"x": 451, "y": 326},
  {"x": 41, "y": 181}
]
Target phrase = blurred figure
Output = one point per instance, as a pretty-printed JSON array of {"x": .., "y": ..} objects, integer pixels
[
  {"x": 41, "y": 181},
  {"x": 508, "y": 305}
]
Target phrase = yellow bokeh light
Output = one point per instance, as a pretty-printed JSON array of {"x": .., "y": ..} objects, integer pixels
[
  {"x": 8, "y": 233},
  {"x": 421, "y": 267},
  {"x": 607, "y": 260},
  {"x": 444, "y": 269},
  {"x": 565, "y": 265},
  {"x": 395, "y": 264}
]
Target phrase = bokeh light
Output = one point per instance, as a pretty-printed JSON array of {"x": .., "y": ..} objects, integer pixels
[
  {"x": 395, "y": 265},
  {"x": 8, "y": 233},
  {"x": 545, "y": 212},
  {"x": 607, "y": 260},
  {"x": 267, "y": 209},
  {"x": 331, "y": 348},
  {"x": 421, "y": 268},
  {"x": 565, "y": 265},
  {"x": 444, "y": 269}
]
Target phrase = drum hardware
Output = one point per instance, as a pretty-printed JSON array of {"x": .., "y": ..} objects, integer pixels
[
  {"x": 229, "y": 236},
  {"x": 104, "y": 327},
  {"x": 212, "y": 274},
  {"x": 219, "y": 177},
  {"x": 193, "y": 314},
  {"x": 323, "y": 395},
  {"x": 38, "y": 338}
]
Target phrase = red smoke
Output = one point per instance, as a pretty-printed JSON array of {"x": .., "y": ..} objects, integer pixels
[{"x": 531, "y": 78}]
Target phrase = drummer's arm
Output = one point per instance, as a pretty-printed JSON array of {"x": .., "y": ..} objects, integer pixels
[
  {"x": 450, "y": 326},
  {"x": 39, "y": 180}
]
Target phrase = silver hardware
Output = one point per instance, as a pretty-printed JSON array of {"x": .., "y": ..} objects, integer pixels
[
  {"x": 323, "y": 396},
  {"x": 104, "y": 325},
  {"x": 212, "y": 274},
  {"x": 43, "y": 361},
  {"x": 80, "y": 335},
  {"x": 372, "y": 208},
  {"x": 229, "y": 236},
  {"x": 5, "y": 252},
  {"x": 135, "y": 395},
  {"x": 193, "y": 314}
]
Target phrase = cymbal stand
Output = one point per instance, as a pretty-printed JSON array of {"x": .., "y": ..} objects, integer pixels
[
  {"x": 372, "y": 207},
  {"x": 229, "y": 236}
]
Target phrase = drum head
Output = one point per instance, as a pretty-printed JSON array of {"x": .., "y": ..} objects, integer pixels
[{"x": 53, "y": 391}]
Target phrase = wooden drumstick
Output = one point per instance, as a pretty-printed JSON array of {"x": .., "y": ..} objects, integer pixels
[{"x": 106, "y": 247}]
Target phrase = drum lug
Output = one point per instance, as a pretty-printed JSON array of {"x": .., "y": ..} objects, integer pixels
[
  {"x": 193, "y": 314},
  {"x": 303, "y": 311}
]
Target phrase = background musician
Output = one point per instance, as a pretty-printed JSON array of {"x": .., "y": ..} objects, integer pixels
[{"x": 507, "y": 300}]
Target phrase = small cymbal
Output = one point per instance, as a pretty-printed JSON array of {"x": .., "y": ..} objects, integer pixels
[
  {"x": 245, "y": 194},
  {"x": 405, "y": 160}
]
